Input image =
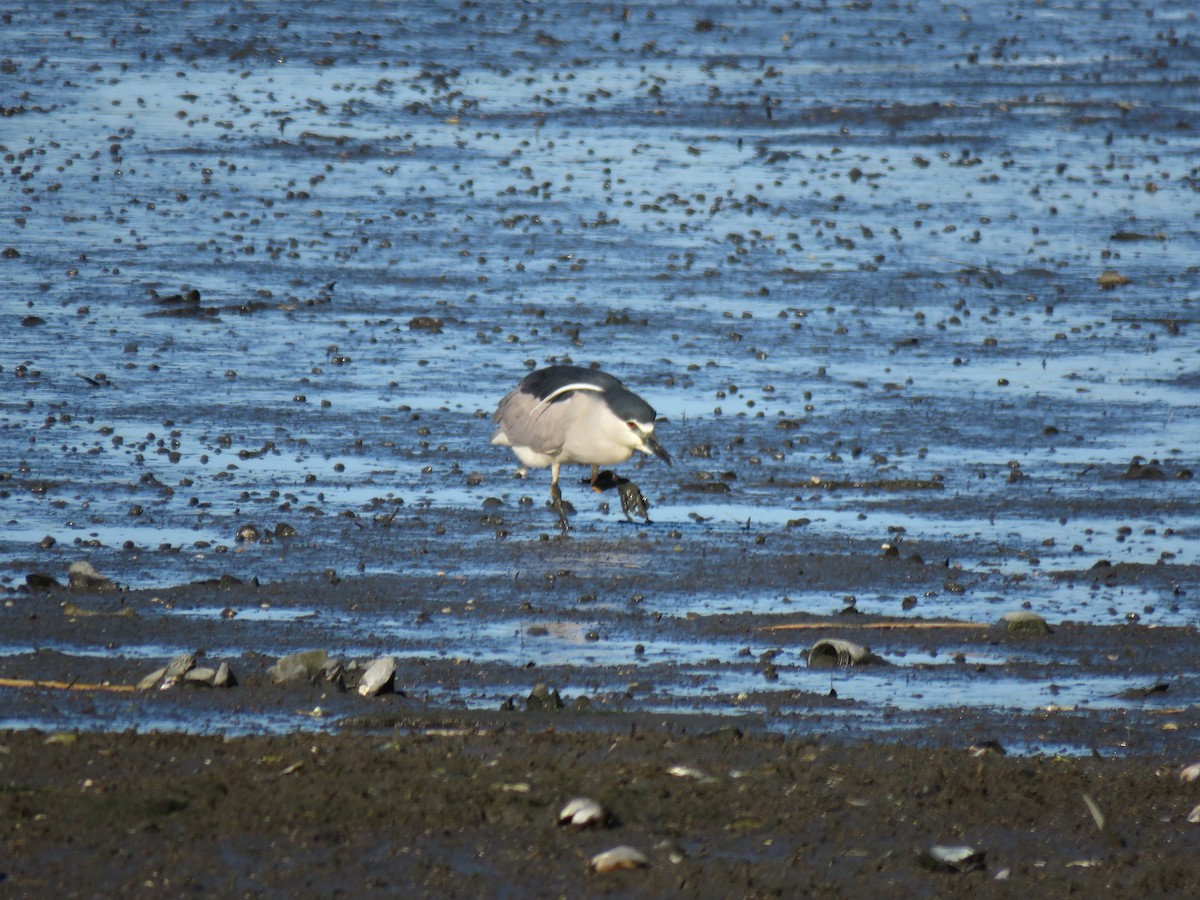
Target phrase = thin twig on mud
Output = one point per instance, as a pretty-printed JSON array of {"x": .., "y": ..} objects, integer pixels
[
  {"x": 805, "y": 626},
  {"x": 66, "y": 685}
]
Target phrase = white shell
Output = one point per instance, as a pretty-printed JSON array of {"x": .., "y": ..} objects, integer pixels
[
  {"x": 622, "y": 857},
  {"x": 379, "y": 677},
  {"x": 583, "y": 812},
  {"x": 955, "y": 859},
  {"x": 1194, "y": 816},
  {"x": 1190, "y": 773},
  {"x": 953, "y": 855}
]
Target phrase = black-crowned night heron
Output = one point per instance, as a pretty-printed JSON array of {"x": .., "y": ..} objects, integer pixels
[{"x": 568, "y": 414}]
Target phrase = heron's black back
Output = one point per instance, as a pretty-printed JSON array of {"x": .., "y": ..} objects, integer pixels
[{"x": 623, "y": 402}]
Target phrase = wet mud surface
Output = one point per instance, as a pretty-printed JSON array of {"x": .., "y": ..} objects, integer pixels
[
  {"x": 454, "y": 811},
  {"x": 914, "y": 292}
]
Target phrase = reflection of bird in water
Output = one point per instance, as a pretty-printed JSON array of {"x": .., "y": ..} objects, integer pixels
[{"x": 568, "y": 414}]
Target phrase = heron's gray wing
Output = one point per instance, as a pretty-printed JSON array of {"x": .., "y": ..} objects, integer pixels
[{"x": 527, "y": 421}]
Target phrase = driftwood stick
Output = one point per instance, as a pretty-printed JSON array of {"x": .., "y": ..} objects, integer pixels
[
  {"x": 812, "y": 626},
  {"x": 66, "y": 685}
]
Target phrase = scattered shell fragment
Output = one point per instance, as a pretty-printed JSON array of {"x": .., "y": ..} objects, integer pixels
[
  {"x": 831, "y": 652},
  {"x": 673, "y": 850},
  {"x": 685, "y": 772},
  {"x": 1022, "y": 622},
  {"x": 583, "y": 812},
  {"x": 380, "y": 677},
  {"x": 953, "y": 859},
  {"x": 621, "y": 857},
  {"x": 1190, "y": 773},
  {"x": 986, "y": 748},
  {"x": 1194, "y": 816}
]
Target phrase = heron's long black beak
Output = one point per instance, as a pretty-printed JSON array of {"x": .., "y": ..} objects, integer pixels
[{"x": 650, "y": 442}]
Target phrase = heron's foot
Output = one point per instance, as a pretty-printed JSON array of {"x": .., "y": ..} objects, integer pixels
[{"x": 561, "y": 507}]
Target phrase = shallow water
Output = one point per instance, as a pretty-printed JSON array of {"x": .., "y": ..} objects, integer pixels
[{"x": 856, "y": 245}]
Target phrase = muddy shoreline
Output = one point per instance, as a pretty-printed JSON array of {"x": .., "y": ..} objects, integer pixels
[{"x": 453, "y": 805}]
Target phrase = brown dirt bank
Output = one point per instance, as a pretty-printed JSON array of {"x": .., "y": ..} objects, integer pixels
[{"x": 467, "y": 806}]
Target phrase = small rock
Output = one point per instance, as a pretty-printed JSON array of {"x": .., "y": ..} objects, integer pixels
[
  {"x": 180, "y": 665},
  {"x": 82, "y": 576},
  {"x": 202, "y": 676},
  {"x": 334, "y": 673},
  {"x": 1023, "y": 622},
  {"x": 248, "y": 534},
  {"x": 224, "y": 677},
  {"x": 169, "y": 674},
  {"x": 38, "y": 582},
  {"x": 542, "y": 698},
  {"x": 152, "y": 679},
  {"x": 425, "y": 323},
  {"x": 303, "y": 666},
  {"x": 1139, "y": 470}
]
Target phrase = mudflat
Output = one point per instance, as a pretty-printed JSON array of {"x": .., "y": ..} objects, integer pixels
[{"x": 913, "y": 291}]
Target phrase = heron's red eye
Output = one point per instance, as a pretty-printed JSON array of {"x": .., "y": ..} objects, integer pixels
[{"x": 633, "y": 426}]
